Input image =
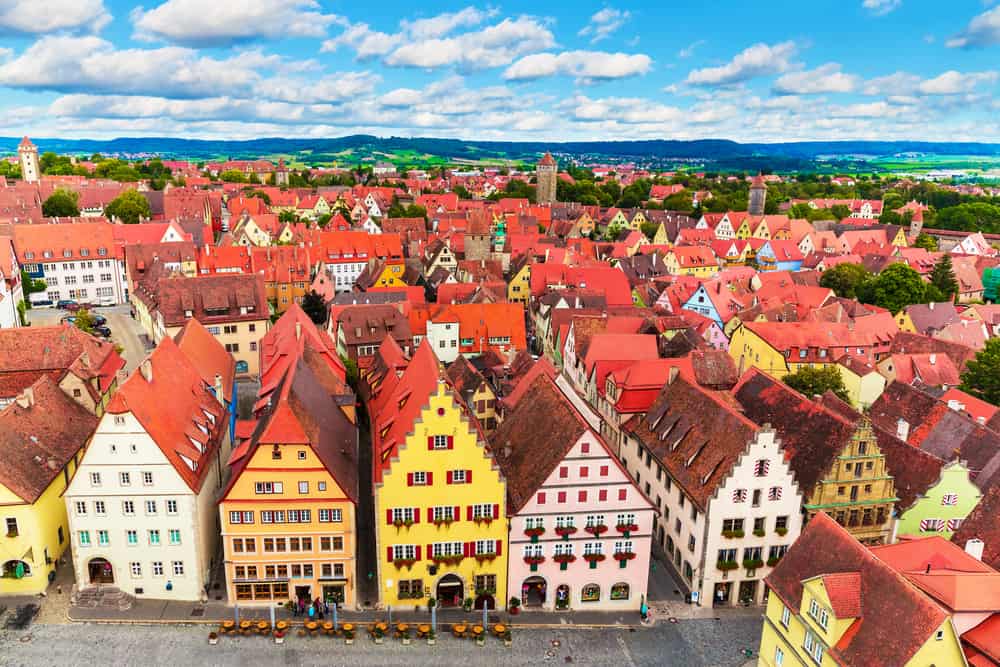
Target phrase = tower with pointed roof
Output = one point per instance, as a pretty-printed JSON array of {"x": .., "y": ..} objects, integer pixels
[
  {"x": 281, "y": 174},
  {"x": 545, "y": 176},
  {"x": 28, "y": 152},
  {"x": 758, "y": 195}
]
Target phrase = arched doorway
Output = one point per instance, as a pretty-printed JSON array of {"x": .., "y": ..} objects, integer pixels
[
  {"x": 16, "y": 569},
  {"x": 450, "y": 590},
  {"x": 100, "y": 571},
  {"x": 533, "y": 592},
  {"x": 487, "y": 600}
]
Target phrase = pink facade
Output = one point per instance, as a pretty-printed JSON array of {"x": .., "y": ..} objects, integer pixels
[{"x": 587, "y": 488}]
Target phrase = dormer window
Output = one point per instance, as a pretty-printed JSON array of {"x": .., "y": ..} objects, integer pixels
[
  {"x": 67, "y": 253},
  {"x": 47, "y": 254},
  {"x": 102, "y": 251},
  {"x": 84, "y": 252}
]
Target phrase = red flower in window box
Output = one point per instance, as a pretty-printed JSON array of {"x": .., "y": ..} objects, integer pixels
[
  {"x": 564, "y": 558},
  {"x": 563, "y": 531},
  {"x": 404, "y": 562},
  {"x": 534, "y": 532},
  {"x": 597, "y": 529},
  {"x": 627, "y": 528},
  {"x": 534, "y": 560},
  {"x": 590, "y": 558},
  {"x": 624, "y": 555},
  {"x": 448, "y": 560}
]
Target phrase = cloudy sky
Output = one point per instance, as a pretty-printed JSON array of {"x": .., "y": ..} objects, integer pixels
[{"x": 749, "y": 71}]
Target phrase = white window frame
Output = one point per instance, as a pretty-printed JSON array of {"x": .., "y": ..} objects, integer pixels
[{"x": 404, "y": 552}]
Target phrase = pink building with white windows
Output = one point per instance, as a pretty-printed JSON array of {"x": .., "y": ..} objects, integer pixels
[{"x": 580, "y": 530}]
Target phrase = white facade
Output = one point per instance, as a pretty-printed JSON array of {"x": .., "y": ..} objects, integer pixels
[
  {"x": 9, "y": 318},
  {"x": 587, "y": 488},
  {"x": 100, "y": 280},
  {"x": 344, "y": 274},
  {"x": 443, "y": 337},
  {"x": 693, "y": 540},
  {"x": 129, "y": 506},
  {"x": 30, "y": 170}
]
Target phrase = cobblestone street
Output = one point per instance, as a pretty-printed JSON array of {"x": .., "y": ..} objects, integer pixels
[{"x": 690, "y": 643}]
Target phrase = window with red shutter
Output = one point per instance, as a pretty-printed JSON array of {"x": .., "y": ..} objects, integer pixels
[
  {"x": 585, "y": 447},
  {"x": 416, "y": 515},
  {"x": 602, "y": 495},
  {"x": 409, "y": 479},
  {"x": 468, "y": 477},
  {"x": 389, "y": 554},
  {"x": 604, "y": 471},
  {"x": 541, "y": 497},
  {"x": 496, "y": 511},
  {"x": 448, "y": 477},
  {"x": 561, "y": 497},
  {"x": 584, "y": 471},
  {"x": 582, "y": 496},
  {"x": 622, "y": 494},
  {"x": 563, "y": 472},
  {"x": 457, "y": 513},
  {"x": 451, "y": 442},
  {"x": 388, "y": 517},
  {"x": 430, "y": 478},
  {"x": 430, "y": 442},
  {"x": 416, "y": 552},
  {"x": 499, "y": 548},
  {"x": 430, "y": 552},
  {"x": 468, "y": 512}
]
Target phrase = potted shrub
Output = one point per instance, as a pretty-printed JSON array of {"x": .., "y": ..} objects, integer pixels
[
  {"x": 514, "y": 605},
  {"x": 431, "y": 638},
  {"x": 279, "y": 636},
  {"x": 774, "y": 560},
  {"x": 726, "y": 565},
  {"x": 597, "y": 529},
  {"x": 467, "y": 604},
  {"x": 781, "y": 531},
  {"x": 431, "y": 603},
  {"x": 441, "y": 522},
  {"x": 481, "y": 638},
  {"x": 378, "y": 635},
  {"x": 565, "y": 531},
  {"x": 348, "y": 637},
  {"x": 507, "y": 638},
  {"x": 753, "y": 563},
  {"x": 730, "y": 534},
  {"x": 213, "y": 638},
  {"x": 759, "y": 532},
  {"x": 405, "y": 637}
]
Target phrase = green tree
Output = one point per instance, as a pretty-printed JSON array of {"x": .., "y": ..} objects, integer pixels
[
  {"x": 926, "y": 241},
  {"x": 353, "y": 375},
  {"x": 288, "y": 216},
  {"x": 982, "y": 375},
  {"x": 840, "y": 211},
  {"x": 259, "y": 194},
  {"x": 817, "y": 381},
  {"x": 30, "y": 285},
  {"x": 680, "y": 201},
  {"x": 650, "y": 229},
  {"x": 314, "y": 306},
  {"x": 61, "y": 204},
  {"x": 324, "y": 220},
  {"x": 84, "y": 321},
  {"x": 844, "y": 279},
  {"x": 895, "y": 288},
  {"x": 233, "y": 176},
  {"x": 128, "y": 207},
  {"x": 943, "y": 277}
]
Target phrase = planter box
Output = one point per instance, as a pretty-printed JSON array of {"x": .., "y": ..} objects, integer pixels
[
  {"x": 212, "y": 641},
  {"x": 431, "y": 642},
  {"x": 349, "y": 641},
  {"x": 406, "y": 641},
  {"x": 279, "y": 640},
  {"x": 379, "y": 640},
  {"x": 507, "y": 643}
]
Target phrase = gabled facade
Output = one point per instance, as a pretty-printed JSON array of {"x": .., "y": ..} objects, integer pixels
[
  {"x": 581, "y": 529},
  {"x": 728, "y": 503},
  {"x": 943, "y": 506},
  {"x": 142, "y": 507},
  {"x": 440, "y": 500}
]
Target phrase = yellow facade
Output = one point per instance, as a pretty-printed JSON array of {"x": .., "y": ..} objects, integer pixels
[
  {"x": 762, "y": 231},
  {"x": 40, "y": 535},
  {"x": 789, "y": 638},
  {"x": 414, "y": 486},
  {"x": 391, "y": 275},
  {"x": 661, "y": 238},
  {"x": 638, "y": 220},
  {"x": 269, "y": 561},
  {"x": 900, "y": 238},
  {"x": 858, "y": 492},
  {"x": 519, "y": 286},
  {"x": 904, "y": 322},
  {"x": 675, "y": 269},
  {"x": 751, "y": 351},
  {"x": 863, "y": 390},
  {"x": 744, "y": 231},
  {"x": 284, "y": 294}
]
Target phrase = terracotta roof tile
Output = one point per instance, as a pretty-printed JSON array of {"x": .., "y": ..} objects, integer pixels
[{"x": 981, "y": 523}]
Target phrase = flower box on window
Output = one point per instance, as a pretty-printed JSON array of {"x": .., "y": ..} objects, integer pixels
[
  {"x": 483, "y": 557},
  {"x": 487, "y": 520},
  {"x": 759, "y": 532},
  {"x": 534, "y": 561},
  {"x": 442, "y": 522},
  {"x": 624, "y": 555},
  {"x": 726, "y": 565},
  {"x": 752, "y": 563},
  {"x": 565, "y": 531},
  {"x": 774, "y": 560},
  {"x": 404, "y": 562},
  {"x": 399, "y": 523},
  {"x": 534, "y": 533},
  {"x": 597, "y": 529},
  {"x": 448, "y": 560},
  {"x": 626, "y": 528},
  {"x": 731, "y": 534},
  {"x": 563, "y": 560},
  {"x": 781, "y": 531}
]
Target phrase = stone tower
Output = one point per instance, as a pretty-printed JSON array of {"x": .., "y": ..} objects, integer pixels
[
  {"x": 758, "y": 195},
  {"x": 281, "y": 174},
  {"x": 546, "y": 173},
  {"x": 28, "y": 152}
]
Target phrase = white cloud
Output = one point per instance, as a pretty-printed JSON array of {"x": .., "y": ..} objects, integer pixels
[
  {"x": 824, "y": 79},
  {"x": 983, "y": 30},
  {"x": 583, "y": 65},
  {"x": 881, "y": 7},
  {"x": 200, "y": 23},
  {"x": 41, "y": 16},
  {"x": 757, "y": 60},
  {"x": 427, "y": 43},
  {"x": 604, "y": 23},
  {"x": 688, "y": 50},
  {"x": 897, "y": 83},
  {"x": 955, "y": 83}
]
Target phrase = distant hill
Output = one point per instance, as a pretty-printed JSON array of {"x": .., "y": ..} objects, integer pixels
[{"x": 354, "y": 147}]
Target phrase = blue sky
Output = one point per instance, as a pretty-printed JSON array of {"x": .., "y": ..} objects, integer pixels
[{"x": 748, "y": 71}]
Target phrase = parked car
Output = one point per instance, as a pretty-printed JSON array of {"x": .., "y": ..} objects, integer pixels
[
  {"x": 103, "y": 331},
  {"x": 99, "y": 320},
  {"x": 67, "y": 304}
]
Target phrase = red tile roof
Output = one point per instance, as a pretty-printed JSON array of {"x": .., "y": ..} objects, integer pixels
[
  {"x": 65, "y": 241},
  {"x": 208, "y": 355},
  {"x": 844, "y": 591},
  {"x": 175, "y": 381}
]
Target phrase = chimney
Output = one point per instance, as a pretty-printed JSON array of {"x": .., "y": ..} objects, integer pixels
[
  {"x": 902, "y": 429},
  {"x": 933, "y": 359},
  {"x": 218, "y": 388},
  {"x": 26, "y": 398},
  {"x": 974, "y": 548},
  {"x": 298, "y": 330},
  {"x": 146, "y": 369},
  {"x": 957, "y": 406}
]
